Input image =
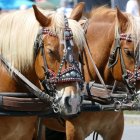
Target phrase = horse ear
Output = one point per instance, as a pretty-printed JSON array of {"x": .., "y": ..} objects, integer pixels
[
  {"x": 122, "y": 19},
  {"x": 42, "y": 19},
  {"x": 77, "y": 12}
]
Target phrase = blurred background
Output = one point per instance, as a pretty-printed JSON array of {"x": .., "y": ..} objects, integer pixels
[{"x": 60, "y": 5}]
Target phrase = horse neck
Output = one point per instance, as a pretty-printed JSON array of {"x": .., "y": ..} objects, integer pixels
[
  {"x": 9, "y": 84},
  {"x": 99, "y": 43}
]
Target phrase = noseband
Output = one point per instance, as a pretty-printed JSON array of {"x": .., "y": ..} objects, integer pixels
[{"x": 70, "y": 74}]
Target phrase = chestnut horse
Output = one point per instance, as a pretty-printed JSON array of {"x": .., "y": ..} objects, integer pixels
[
  {"x": 106, "y": 28},
  {"x": 44, "y": 47}
]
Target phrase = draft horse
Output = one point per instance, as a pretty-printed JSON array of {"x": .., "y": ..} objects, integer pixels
[
  {"x": 41, "y": 47},
  {"x": 112, "y": 38}
]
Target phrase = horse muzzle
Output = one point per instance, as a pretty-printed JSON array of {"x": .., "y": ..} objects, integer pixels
[{"x": 70, "y": 105}]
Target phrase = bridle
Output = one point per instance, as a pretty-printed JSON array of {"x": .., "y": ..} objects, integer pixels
[
  {"x": 70, "y": 74},
  {"x": 129, "y": 77}
]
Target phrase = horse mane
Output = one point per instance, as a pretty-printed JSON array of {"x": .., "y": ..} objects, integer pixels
[
  {"x": 19, "y": 30},
  {"x": 133, "y": 28},
  {"x": 135, "y": 21}
]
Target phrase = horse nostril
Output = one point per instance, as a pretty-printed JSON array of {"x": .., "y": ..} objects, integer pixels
[{"x": 67, "y": 101}]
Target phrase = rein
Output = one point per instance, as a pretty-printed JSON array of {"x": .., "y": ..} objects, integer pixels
[{"x": 85, "y": 26}]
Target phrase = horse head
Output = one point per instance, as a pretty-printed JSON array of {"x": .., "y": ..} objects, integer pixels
[
  {"x": 112, "y": 38},
  {"x": 124, "y": 55},
  {"x": 57, "y": 49}
]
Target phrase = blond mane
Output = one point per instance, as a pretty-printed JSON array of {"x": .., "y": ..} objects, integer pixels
[
  {"x": 136, "y": 29},
  {"x": 133, "y": 28},
  {"x": 18, "y": 32}
]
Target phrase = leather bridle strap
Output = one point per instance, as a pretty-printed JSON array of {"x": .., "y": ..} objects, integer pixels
[
  {"x": 39, "y": 45},
  {"x": 96, "y": 70},
  {"x": 44, "y": 60},
  {"x": 125, "y": 75},
  {"x": 84, "y": 23}
]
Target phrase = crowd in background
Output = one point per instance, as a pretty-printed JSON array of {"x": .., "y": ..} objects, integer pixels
[
  {"x": 132, "y": 7},
  {"x": 65, "y": 6}
]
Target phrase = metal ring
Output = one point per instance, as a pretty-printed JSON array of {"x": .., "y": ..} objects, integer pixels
[
  {"x": 117, "y": 105},
  {"x": 55, "y": 107}
]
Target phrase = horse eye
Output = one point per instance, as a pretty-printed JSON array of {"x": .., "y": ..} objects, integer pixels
[
  {"x": 50, "y": 51},
  {"x": 129, "y": 53}
]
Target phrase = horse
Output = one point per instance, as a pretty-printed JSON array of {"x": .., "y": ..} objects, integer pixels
[
  {"x": 38, "y": 48},
  {"x": 106, "y": 30}
]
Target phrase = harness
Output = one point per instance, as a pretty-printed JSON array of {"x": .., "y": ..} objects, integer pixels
[
  {"x": 113, "y": 59},
  {"x": 38, "y": 98},
  {"x": 113, "y": 97},
  {"x": 118, "y": 99},
  {"x": 70, "y": 74}
]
